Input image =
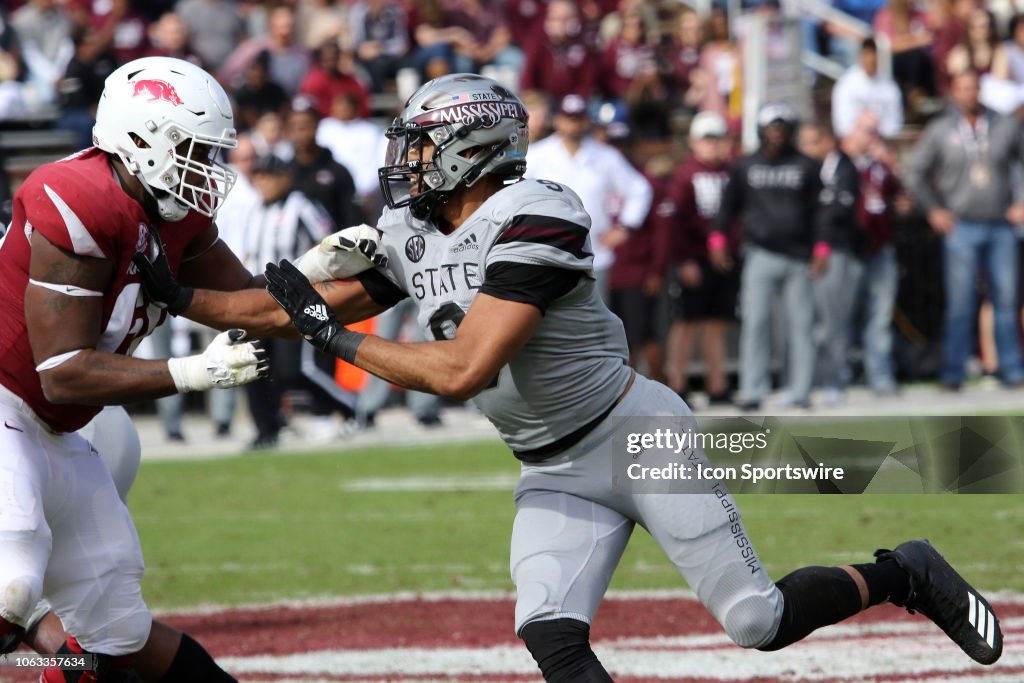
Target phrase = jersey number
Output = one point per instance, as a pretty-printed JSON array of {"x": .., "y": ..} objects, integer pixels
[
  {"x": 443, "y": 324},
  {"x": 551, "y": 185}
]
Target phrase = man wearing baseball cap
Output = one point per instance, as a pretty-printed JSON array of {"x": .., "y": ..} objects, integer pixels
[
  {"x": 776, "y": 194},
  {"x": 704, "y": 297}
]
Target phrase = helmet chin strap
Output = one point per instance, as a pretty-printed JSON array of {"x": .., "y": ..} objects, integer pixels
[{"x": 170, "y": 208}]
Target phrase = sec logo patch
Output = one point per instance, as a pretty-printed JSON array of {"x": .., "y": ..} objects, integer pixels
[{"x": 415, "y": 247}]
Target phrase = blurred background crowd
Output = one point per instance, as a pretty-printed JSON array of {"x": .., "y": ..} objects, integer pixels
[{"x": 867, "y": 234}]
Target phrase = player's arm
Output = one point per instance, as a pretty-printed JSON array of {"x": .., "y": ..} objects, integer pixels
[
  {"x": 218, "y": 291},
  {"x": 492, "y": 332},
  {"x": 63, "y": 313}
]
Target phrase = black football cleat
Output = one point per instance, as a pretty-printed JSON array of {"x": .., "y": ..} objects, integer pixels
[{"x": 941, "y": 594}]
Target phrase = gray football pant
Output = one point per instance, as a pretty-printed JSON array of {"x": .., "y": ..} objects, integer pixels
[{"x": 571, "y": 529}]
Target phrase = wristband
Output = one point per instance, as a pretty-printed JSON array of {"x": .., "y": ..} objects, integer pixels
[
  {"x": 716, "y": 240},
  {"x": 182, "y": 301},
  {"x": 189, "y": 373},
  {"x": 822, "y": 250},
  {"x": 344, "y": 344}
]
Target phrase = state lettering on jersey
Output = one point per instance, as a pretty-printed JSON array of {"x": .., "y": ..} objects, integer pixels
[{"x": 448, "y": 279}]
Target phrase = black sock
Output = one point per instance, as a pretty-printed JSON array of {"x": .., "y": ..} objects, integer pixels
[
  {"x": 886, "y": 580},
  {"x": 193, "y": 664}
]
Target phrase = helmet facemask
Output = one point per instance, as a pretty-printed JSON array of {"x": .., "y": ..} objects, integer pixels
[
  {"x": 409, "y": 179},
  {"x": 190, "y": 177}
]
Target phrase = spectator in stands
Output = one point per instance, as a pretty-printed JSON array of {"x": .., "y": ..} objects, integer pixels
[
  {"x": 881, "y": 198},
  {"x": 316, "y": 174},
  {"x": 525, "y": 20},
  {"x": 630, "y": 77},
  {"x": 44, "y": 39},
  {"x": 284, "y": 225},
  {"x": 637, "y": 273},
  {"x": 717, "y": 78},
  {"x": 683, "y": 58},
  {"x": 125, "y": 27},
  {"x": 835, "y": 292},
  {"x": 862, "y": 88},
  {"x": 982, "y": 48},
  {"x": 257, "y": 94},
  {"x": 907, "y": 29},
  {"x": 961, "y": 174},
  {"x": 617, "y": 196},
  {"x": 703, "y": 297},
  {"x": 168, "y": 37},
  {"x": 776, "y": 192},
  {"x": 322, "y": 21},
  {"x": 359, "y": 145},
  {"x": 559, "y": 62},
  {"x": 441, "y": 46},
  {"x": 289, "y": 60},
  {"x": 486, "y": 21},
  {"x": 380, "y": 38},
  {"x": 12, "y": 97},
  {"x": 214, "y": 27},
  {"x": 82, "y": 84},
  {"x": 538, "y": 106},
  {"x": 268, "y": 136},
  {"x": 1012, "y": 67},
  {"x": 327, "y": 80}
]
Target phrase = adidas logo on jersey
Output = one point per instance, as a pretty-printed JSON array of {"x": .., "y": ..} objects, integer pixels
[
  {"x": 466, "y": 244},
  {"x": 319, "y": 312}
]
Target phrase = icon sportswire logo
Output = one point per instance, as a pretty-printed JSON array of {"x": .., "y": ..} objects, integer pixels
[{"x": 318, "y": 311}]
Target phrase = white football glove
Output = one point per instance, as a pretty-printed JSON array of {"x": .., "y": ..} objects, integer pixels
[
  {"x": 343, "y": 254},
  {"x": 225, "y": 363}
]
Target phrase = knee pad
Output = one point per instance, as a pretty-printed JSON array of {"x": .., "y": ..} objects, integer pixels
[
  {"x": 561, "y": 648},
  {"x": 18, "y": 599},
  {"x": 752, "y": 621}
]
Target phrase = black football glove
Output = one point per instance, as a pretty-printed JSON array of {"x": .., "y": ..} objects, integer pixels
[
  {"x": 310, "y": 314},
  {"x": 157, "y": 279}
]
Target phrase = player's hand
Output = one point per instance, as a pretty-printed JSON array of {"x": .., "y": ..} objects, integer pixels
[
  {"x": 310, "y": 314},
  {"x": 157, "y": 280},
  {"x": 343, "y": 254},
  {"x": 229, "y": 361}
]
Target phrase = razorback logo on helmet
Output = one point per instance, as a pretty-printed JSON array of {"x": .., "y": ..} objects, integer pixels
[{"x": 157, "y": 90}]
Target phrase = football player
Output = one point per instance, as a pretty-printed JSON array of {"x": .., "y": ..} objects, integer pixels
[
  {"x": 501, "y": 272},
  {"x": 72, "y": 312}
]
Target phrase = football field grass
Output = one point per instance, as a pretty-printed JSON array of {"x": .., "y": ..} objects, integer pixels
[{"x": 266, "y": 527}]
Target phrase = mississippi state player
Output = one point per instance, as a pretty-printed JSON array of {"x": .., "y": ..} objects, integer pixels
[
  {"x": 71, "y": 311},
  {"x": 501, "y": 272}
]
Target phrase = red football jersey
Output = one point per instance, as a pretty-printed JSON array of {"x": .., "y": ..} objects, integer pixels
[{"x": 78, "y": 204}]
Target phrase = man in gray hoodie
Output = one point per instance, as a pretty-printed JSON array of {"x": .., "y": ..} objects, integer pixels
[{"x": 961, "y": 174}]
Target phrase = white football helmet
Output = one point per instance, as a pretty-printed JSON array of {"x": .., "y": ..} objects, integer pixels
[
  {"x": 166, "y": 119},
  {"x": 478, "y": 128}
]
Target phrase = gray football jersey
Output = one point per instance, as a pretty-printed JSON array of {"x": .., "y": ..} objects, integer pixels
[{"x": 573, "y": 368}]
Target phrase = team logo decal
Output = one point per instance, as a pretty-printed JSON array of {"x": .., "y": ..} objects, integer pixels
[
  {"x": 415, "y": 247},
  {"x": 156, "y": 89}
]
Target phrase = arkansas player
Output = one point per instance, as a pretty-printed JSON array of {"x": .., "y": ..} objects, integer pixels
[{"x": 71, "y": 312}]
